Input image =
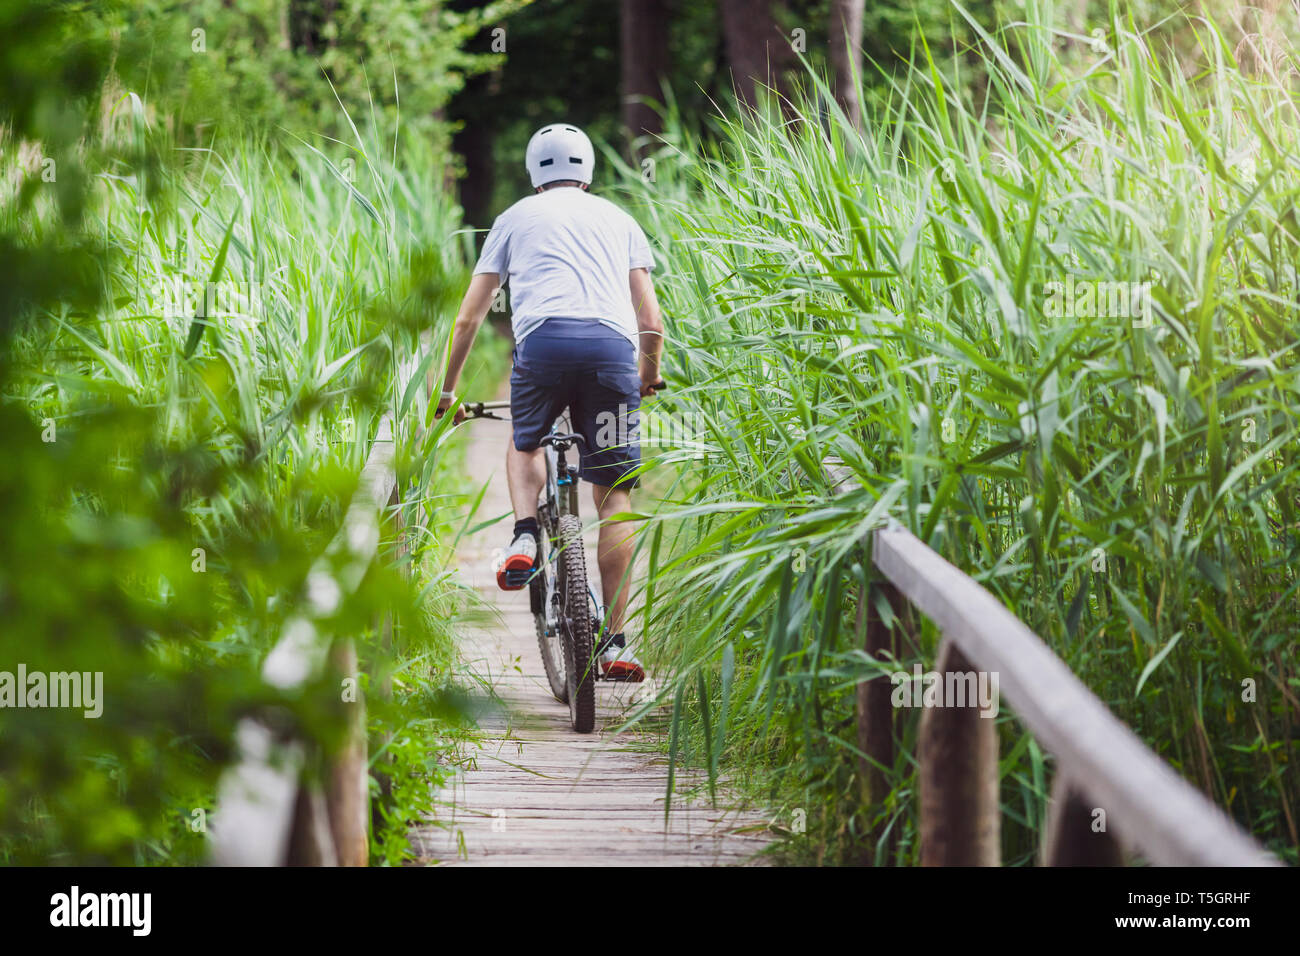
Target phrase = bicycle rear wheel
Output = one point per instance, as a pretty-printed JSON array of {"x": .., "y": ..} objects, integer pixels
[
  {"x": 575, "y": 620},
  {"x": 543, "y": 596}
]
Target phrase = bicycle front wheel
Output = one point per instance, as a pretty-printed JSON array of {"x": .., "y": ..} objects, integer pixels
[{"x": 575, "y": 619}]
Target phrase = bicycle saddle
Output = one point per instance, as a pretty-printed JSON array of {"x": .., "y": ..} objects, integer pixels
[{"x": 561, "y": 440}]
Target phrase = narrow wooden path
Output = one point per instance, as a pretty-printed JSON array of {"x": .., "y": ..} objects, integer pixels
[{"x": 537, "y": 793}]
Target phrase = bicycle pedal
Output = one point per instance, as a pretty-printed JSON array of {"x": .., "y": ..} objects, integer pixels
[{"x": 514, "y": 578}]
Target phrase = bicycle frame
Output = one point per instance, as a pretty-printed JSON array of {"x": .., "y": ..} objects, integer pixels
[
  {"x": 562, "y": 488},
  {"x": 561, "y": 479},
  {"x": 559, "y": 635}
]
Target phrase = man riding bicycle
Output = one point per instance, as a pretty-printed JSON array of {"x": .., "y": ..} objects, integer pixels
[{"x": 583, "y": 306}]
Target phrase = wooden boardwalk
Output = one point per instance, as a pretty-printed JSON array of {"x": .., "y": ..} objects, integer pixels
[{"x": 536, "y": 792}]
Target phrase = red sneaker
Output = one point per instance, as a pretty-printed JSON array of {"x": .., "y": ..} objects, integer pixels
[
  {"x": 618, "y": 663},
  {"x": 518, "y": 564}
]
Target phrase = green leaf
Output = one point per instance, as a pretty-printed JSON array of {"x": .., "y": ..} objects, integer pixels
[
  {"x": 1134, "y": 615},
  {"x": 200, "y": 323},
  {"x": 1231, "y": 646},
  {"x": 1155, "y": 662}
]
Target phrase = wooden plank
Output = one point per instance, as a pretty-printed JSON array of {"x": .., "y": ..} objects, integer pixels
[
  {"x": 1148, "y": 805},
  {"x": 255, "y": 801},
  {"x": 301, "y": 651}
]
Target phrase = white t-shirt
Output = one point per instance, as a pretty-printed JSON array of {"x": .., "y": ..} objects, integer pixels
[{"x": 566, "y": 252}]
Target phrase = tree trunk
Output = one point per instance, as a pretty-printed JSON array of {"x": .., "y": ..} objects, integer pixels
[
  {"x": 307, "y": 20},
  {"x": 473, "y": 144},
  {"x": 644, "y": 41},
  {"x": 846, "y": 56},
  {"x": 757, "y": 51}
]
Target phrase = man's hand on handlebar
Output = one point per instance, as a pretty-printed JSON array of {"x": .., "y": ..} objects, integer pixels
[
  {"x": 648, "y": 389},
  {"x": 444, "y": 403}
]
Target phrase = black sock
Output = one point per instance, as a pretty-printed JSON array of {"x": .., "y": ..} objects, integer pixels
[
  {"x": 526, "y": 526},
  {"x": 612, "y": 640}
]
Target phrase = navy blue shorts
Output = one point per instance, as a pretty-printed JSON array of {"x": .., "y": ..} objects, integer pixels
[{"x": 589, "y": 368}]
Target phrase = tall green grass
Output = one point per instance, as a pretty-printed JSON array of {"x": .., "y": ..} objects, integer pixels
[
  {"x": 200, "y": 459},
  {"x": 880, "y": 301}
]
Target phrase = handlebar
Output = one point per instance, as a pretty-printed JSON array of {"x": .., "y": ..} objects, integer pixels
[{"x": 485, "y": 409}]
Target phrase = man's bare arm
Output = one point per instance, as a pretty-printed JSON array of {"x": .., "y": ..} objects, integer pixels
[
  {"x": 473, "y": 310},
  {"x": 649, "y": 325}
]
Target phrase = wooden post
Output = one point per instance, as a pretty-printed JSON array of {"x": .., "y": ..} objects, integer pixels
[
  {"x": 1072, "y": 838},
  {"x": 402, "y": 548},
  {"x": 385, "y": 691},
  {"x": 875, "y": 710},
  {"x": 387, "y": 648},
  {"x": 960, "y": 822},
  {"x": 347, "y": 795},
  {"x": 310, "y": 840}
]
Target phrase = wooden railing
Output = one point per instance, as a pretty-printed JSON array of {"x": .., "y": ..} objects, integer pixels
[
  {"x": 1111, "y": 794},
  {"x": 270, "y": 812}
]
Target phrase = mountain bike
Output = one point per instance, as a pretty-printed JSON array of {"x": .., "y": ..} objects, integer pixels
[
  {"x": 566, "y": 610},
  {"x": 563, "y": 603}
]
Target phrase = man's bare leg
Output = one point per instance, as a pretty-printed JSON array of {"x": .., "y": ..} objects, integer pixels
[
  {"x": 613, "y": 552},
  {"x": 525, "y": 473}
]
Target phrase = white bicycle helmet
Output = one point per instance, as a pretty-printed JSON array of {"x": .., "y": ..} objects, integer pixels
[{"x": 559, "y": 151}]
